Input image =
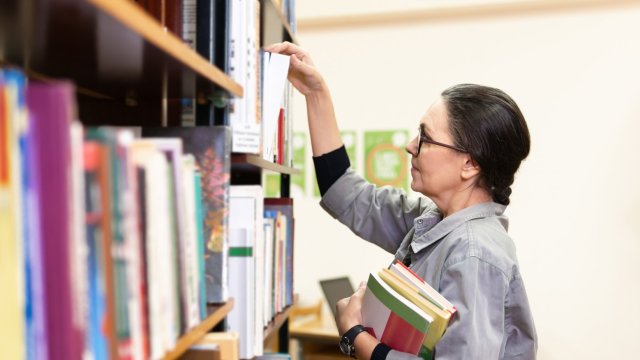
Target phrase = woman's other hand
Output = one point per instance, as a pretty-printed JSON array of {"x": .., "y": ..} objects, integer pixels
[
  {"x": 302, "y": 72},
  {"x": 348, "y": 310}
]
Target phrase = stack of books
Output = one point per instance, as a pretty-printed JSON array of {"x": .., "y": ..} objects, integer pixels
[{"x": 401, "y": 310}]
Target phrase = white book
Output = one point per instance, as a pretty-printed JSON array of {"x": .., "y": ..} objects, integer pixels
[
  {"x": 275, "y": 70},
  {"x": 133, "y": 241},
  {"x": 161, "y": 279},
  {"x": 172, "y": 148},
  {"x": 191, "y": 248},
  {"x": 269, "y": 225},
  {"x": 79, "y": 250},
  {"x": 245, "y": 238},
  {"x": 245, "y": 125}
]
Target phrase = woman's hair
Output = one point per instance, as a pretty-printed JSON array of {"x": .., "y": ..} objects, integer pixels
[{"x": 489, "y": 125}]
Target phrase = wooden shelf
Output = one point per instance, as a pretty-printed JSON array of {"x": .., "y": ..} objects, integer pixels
[
  {"x": 113, "y": 49},
  {"x": 250, "y": 162},
  {"x": 216, "y": 314},
  {"x": 276, "y": 324}
]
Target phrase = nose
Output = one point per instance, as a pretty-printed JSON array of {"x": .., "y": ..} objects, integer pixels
[{"x": 412, "y": 147}]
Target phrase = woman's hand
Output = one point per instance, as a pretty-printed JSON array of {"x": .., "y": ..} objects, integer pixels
[
  {"x": 302, "y": 72},
  {"x": 348, "y": 310}
]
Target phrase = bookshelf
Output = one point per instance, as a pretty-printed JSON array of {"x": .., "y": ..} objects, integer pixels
[
  {"x": 215, "y": 315},
  {"x": 250, "y": 162},
  {"x": 125, "y": 67},
  {"x": 121, "y": 57}
]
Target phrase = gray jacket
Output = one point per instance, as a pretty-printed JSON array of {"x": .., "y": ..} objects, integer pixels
[{"x": 468, "y": 257}]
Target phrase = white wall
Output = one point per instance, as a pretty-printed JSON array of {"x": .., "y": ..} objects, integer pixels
[{"x": 575, "y": 213}]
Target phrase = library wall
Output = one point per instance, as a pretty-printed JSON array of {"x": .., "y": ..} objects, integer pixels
[{"x": 576, "y": 200}]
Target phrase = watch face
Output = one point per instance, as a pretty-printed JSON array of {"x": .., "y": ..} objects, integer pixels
[{"x": 345, "y": 347}]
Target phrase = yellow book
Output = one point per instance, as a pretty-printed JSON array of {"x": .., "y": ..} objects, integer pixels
[
  {"x": 425, "y": 289},
  {"x": 412, "y": 293},
  {"x": 11, "y": 269}
]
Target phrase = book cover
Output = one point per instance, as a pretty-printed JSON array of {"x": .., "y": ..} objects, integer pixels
[
  {"x": 116, "y": 188},
  {"x": 51, "y": 107},
  {"x": 394, "y": 320},
  {"x": 211, "y": 147},
  {"x": 191, "y": 233},
  {"x": 275, "y": 70},
  {"x": 440, "y": 317},
  {"x": 202, "y": 283},
  {"x": 99, "y": 325}
]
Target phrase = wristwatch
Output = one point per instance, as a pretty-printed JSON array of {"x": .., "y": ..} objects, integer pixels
[{"x": 347, "y": 339}]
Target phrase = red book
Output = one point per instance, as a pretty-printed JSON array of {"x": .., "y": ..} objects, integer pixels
[
  {"x": 394, "y": 320},
  {"x": 281, "y": 135}
]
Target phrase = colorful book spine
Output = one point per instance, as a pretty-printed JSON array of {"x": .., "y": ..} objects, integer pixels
[
  {"x": 211, "y": 147},
  {"x": 51, "y": 106},
  {"x": 11, "y": 238},
  {"x": 98, "y": 340}
]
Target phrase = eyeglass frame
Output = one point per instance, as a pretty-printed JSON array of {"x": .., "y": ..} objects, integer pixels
[{"x": 422, "y": 138}]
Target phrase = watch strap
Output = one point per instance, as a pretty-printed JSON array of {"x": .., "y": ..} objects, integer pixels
[{"x": 348, "y": 338}]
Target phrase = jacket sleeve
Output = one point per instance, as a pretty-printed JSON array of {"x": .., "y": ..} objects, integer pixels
[{"x": 382, "y": 215}]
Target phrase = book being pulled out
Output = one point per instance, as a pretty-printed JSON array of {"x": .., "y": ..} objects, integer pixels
[{"x": 401, "y": 310}]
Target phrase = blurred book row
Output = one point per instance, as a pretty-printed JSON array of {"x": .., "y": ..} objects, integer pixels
[{"x": 114, "y": 240}]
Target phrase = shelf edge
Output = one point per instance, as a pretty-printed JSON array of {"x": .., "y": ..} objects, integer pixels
[{"x": 135, "y": 18}]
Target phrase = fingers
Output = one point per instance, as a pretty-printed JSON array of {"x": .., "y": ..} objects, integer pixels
[{"x": 287, "y": 48}]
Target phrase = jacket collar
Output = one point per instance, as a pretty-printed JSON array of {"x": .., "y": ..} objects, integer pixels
[{"x": 429, "y": 227}]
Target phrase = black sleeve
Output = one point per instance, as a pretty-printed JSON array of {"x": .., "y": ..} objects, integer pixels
[
  {"x": 380, "y": 352},
  {"x": 330, "y": 166}
]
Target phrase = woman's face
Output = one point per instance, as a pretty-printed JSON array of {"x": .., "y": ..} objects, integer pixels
[{"x": 435, "y": 168}]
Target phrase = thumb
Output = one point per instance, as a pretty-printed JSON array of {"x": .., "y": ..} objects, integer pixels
[{"x": 361, "y": 289}]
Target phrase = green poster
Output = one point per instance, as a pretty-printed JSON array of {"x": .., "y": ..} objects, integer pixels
[
  {"x": 271, "y": 181},
  {"x": 349, "y": 139},
  {"x": 271, "y": 184},
  {"x": 298, "y": 181},
  {"x": 385, "y": 158}
]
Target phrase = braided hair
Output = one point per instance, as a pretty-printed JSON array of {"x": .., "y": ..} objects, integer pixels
[{"x": 489, "y": 125}]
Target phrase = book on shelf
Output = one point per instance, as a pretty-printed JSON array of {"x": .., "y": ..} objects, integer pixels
[
  {"x": 12, "y": 135},
  {"x": 211, "y": 148},
  {"x": 169, "y": 13},
  {"x": 246, "y": 284},
  {"x": 130, "y": 235},
  {"x": 212, "y": 43},
  {"x": 400, "y": 310},
  {"x": 280, "y": 254},
  {"x": 243, "y": 67},
  {"x": 275, "y": 68}
]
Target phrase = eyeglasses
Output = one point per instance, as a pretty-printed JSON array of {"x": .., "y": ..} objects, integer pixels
[{"x": 423, "y": 138}]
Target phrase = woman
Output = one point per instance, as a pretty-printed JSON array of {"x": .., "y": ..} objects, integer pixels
[{"x": 471, "y": 142}]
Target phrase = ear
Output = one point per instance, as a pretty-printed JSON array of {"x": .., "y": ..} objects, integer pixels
[{"x": 470, "y": 168}]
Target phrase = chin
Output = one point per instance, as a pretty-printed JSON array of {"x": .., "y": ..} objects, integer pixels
[{"x": 415, "y": 187}]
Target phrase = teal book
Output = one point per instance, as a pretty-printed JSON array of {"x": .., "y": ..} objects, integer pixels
[{"x": 202, "y": 289}]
